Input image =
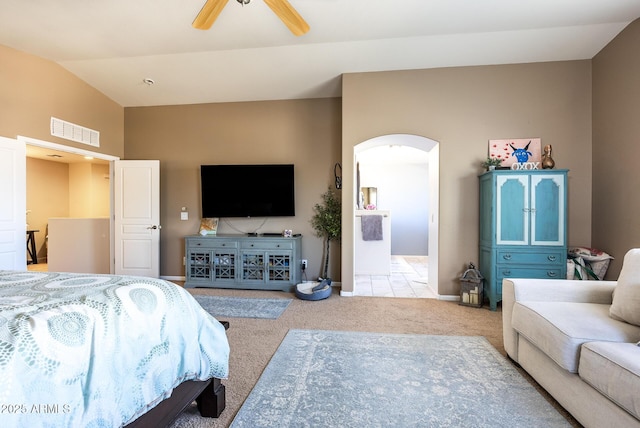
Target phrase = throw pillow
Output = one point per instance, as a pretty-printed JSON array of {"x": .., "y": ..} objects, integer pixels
[{"x": 626, "y": 295}]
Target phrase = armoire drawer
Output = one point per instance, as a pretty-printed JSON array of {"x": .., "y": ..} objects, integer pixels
[
  {"x": 550, "y": 272},
  {"x": 531, "y": 257}
]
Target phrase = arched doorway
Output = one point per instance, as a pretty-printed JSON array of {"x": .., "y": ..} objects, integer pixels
[{"x": 428, "y": 151}]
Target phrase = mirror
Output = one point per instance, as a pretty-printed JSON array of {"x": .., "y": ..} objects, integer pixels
[{"x": 369, "y": 198}]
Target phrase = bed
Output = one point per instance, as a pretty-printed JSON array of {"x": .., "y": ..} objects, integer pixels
[{"x": 105, "y": 350}]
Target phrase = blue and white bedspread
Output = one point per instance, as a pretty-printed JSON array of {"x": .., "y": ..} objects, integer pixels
[{"x": 81, "y": 350}]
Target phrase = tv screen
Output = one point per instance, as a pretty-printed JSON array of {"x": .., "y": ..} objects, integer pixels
[{"x": 247, "y": 191}]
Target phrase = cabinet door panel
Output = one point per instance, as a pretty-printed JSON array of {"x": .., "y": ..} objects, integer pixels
[
  {"x": 224, "y": 265},
  {"x": 252, "y": 266},
  {"x": 280, "y": 264},
  {"x": 513, "y": 210},
  {"x": 547, "y": 205},
  {"x": 199, "y": 266}
]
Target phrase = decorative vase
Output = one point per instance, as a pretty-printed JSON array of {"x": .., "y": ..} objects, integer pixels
[{"x": 547, "y": 160}]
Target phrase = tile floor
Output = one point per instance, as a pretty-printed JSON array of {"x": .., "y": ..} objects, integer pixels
[{"x": 408, "y": 279}]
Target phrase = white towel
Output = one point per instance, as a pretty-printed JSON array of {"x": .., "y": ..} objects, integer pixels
[{"x": 371, "y": 227}]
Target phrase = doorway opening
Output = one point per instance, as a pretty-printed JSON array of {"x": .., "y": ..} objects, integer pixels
[
  {"x": 400, "y": 172},
  {"x": 66, "y": 184}
]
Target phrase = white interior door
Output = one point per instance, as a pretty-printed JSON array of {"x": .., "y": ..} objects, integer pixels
[
  {"x": 13, "y": 205},
  {"x": 136, "y": 187}
]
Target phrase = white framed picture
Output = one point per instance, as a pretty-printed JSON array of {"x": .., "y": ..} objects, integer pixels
[{"x": 515, "y": 150}]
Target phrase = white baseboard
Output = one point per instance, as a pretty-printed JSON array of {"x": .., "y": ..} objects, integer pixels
[
  {"x": 173, "y": 278},
  {"x": 182, "y": 278},
  {"x": 448, "y": 298}
]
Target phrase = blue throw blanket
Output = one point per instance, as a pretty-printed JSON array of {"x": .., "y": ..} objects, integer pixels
[{"x": 98, "y": 350}]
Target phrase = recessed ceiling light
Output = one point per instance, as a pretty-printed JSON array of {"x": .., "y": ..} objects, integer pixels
[{"x": 148, "y": 81}]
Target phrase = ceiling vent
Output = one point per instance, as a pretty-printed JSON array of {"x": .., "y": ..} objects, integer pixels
[{"x": 73, "y": 132}]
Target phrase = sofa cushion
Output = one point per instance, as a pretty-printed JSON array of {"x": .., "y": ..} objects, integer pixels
[
  {"x": 559, "y": 328},
  {"x": 614, "y": 370},
  {"x": 626, "y": 295}
]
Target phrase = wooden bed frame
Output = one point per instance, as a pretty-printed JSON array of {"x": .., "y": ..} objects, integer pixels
[{"x": 208, "y": 394}]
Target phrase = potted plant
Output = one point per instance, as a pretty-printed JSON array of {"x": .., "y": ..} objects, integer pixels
[
  {"x": 327, "y": 222},
  {"x": 491, "y": 163}
]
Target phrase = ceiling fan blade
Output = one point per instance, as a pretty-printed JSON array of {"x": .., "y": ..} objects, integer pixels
[
  {"x": 208, "y": 14},
  {"x": 289, "y": 16}
]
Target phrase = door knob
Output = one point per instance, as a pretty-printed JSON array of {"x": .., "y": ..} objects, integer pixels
[{"x": 154, "y": 227}]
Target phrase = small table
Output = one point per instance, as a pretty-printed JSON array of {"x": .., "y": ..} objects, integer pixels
[{"x": 31, "y": 246}]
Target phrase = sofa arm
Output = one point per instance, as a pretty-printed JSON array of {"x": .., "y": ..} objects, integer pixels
[
  {"x": 547, "y": 290},
  {"x": 559, "y": 290}
]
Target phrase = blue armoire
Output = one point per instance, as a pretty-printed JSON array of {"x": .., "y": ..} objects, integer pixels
[{"x": 523, "y": 227}]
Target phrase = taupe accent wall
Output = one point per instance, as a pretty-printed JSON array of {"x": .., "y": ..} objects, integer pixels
[
  {"x": 33, "y": 89},
  {"x": 462, "y": 108},
  {"x": 616, "y": 146},
  {"x": 305, "y": 133}
]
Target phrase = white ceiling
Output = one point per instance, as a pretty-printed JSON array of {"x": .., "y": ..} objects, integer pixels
[
  {"x": 61, "y": 157},
  {"x": 250, "y": 55}
]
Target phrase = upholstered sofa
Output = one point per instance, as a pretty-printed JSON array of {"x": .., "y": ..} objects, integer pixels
[{"x": 578, "y": 340}]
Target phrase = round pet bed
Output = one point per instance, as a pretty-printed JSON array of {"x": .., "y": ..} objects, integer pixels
[{"x": 314, "y": 290}]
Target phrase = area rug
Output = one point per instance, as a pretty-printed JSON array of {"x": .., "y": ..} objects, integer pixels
[
  {"x": 241, "y": 307},
  {"x": 355, "y": 379}
]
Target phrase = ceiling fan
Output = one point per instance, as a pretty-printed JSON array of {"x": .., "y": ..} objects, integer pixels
[{"x": 282, "y": 8}]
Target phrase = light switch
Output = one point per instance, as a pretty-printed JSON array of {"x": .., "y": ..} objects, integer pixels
[{"x": 184, "y": 215}]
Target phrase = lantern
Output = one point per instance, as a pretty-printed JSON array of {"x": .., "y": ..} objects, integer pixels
[{"x": 471, "y": 285}]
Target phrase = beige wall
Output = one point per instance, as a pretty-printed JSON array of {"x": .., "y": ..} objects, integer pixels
[
  {"x": 462, "y": 108},
  {"x": 79, "y": 245},
  {"x": 89, "y": 190},
  {"x": 303, "y": 132},
  {"x": 47, "y": 196},
  {"x": 33, "y": 89},
  {"x": 56, "y": 189},
  {"x": 459, "y": 107},
  {"x": 616, "y": 142}
]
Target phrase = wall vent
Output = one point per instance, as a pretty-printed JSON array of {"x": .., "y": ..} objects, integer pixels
[{"x": 73, "y": 132}]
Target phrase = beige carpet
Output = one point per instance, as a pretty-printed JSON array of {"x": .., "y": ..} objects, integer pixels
[{"x": 254, "y": 341}]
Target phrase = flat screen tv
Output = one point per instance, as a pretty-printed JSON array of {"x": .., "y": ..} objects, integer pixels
[{"x": 247, "y": 190}]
